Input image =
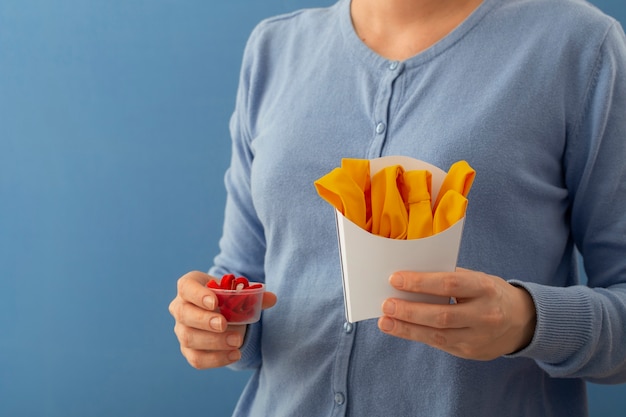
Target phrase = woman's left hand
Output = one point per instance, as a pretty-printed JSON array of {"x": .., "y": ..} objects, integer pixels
[{"x": 491, "y": 317}]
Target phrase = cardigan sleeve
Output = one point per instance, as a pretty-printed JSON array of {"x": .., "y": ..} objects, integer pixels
[
  {"x": 581, "y": 330},
  {"x": 242, "y": 244}
]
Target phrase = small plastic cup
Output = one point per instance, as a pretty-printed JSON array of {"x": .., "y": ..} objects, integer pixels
[{"x": 241, "y": 306}]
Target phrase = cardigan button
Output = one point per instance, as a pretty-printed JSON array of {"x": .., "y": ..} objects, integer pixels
[{"x": 347, "y": 326}]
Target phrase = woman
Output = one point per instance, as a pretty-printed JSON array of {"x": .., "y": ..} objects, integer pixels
[{"x": 533, "y": 95}]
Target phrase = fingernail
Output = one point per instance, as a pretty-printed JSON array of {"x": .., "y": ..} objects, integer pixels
[
  {"x": 233, "y": 340},
  {"x": 396, "y": 280},
  {"x": 389, "y": 307},
  {"x": 209, "y": 302},
  {"x": 216, "y": 323},
  {"x": 386, "y": 324},
  {"x": 235, "y": 355}
]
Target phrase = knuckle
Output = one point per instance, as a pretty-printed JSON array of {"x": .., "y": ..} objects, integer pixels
[
  {"x": 444, "y": 318},
  {"x": 196, "y": 315},
  {"x": 439, "y": 340},
  {"x": 467, "y": 350},
  {"x": 450, "y": 283},
  {"x": 185, "y": 335},
  {"x": 415, "y": 282},
  {"x": 496, "y": 317},
  {"x": 194, "y": 359},
  {"x": 489, "y": 286},
  {"x": 172, "y": 308},
  {"x": 177, "y": 309},
  {"x": 203, "y": 360},
  {"x": 180, "y": 284},
  {"x": 190, "y": 315}
]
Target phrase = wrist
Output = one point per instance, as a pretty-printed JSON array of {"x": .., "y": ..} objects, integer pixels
[{"x": 525, "y": 319}]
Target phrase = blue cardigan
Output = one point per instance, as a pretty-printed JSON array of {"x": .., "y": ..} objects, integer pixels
[{"x": 532, "y": 93}]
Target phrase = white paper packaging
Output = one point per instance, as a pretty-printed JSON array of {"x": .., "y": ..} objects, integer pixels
[{"x": 367, "y": 260}]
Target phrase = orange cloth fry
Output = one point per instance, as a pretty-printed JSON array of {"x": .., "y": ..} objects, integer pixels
[
  {"x": 416, "y": 192},
  {"x": 395, "y": 203},
  {"x": 389, "y": 215},
  {"x": 340, "y": 190},
  {"x": 359, "y": 171},
  {"x": 451, "y": 209},
  {"x": 460, "y": 178}
]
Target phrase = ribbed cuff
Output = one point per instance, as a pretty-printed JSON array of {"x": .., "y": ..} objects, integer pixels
[{"x": 565, "y": 323}]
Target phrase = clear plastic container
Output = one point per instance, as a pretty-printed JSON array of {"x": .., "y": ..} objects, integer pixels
[{"x": 241, "y": 306}]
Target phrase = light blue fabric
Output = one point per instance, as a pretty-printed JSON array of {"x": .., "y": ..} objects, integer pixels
[{"x": 533, "y": 95}]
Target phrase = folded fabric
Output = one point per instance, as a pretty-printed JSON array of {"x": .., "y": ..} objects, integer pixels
[
  {"x": 389, "y": 215},
  {"x": 416, "y": 193},
  {"x": 451, "y": 209},
  {"x": 395, "y": 203},
  {"x": 341, "y": 191},
  {"x": 359, "y": 171},
  {"x": 460, "y": 178}
]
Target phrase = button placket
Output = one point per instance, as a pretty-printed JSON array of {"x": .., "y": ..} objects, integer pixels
[
  {"x": 340, "y": 369},
  {"x": 381, "y": 107}
]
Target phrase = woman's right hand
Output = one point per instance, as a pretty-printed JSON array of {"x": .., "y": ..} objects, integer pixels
[{"x": 206, "y": 340}]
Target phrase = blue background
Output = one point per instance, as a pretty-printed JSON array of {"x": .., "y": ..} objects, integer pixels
[{"x": 113, "y": 144}]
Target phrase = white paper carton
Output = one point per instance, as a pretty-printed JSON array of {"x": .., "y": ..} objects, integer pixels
[{"x": 367, "y": 260}]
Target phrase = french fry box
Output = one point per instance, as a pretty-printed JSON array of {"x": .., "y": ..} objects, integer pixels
[{"x": 367, "y": 260}]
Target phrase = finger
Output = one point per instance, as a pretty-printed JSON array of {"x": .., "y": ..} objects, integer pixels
[
  {"x": 192, "y": 288},
  {"x": 459, "y": 284},
  {"x": 193, "y": 316},
  {"x": 439, "y": 316},
  {"x": 459, "y": 342},
  {"x": 269, "y": 300},
  {"x": 438, "y": 338},
  {"x": 410, "y": 331},
  {"x": 192, "y": 338},
  {"x": 201, "y": 359}
]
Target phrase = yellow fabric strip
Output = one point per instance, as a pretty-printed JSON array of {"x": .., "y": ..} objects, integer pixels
[
  {"x": 416, "y": 193},
  {"x": 395, "y": 203},
  {"x": 450, "y": 210},
  {"x": 460, "y": 177},
  {"x": 359, "y": 171},
  {"x": 342, "y": 192},
  {"x": 389, "y": 214}
]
